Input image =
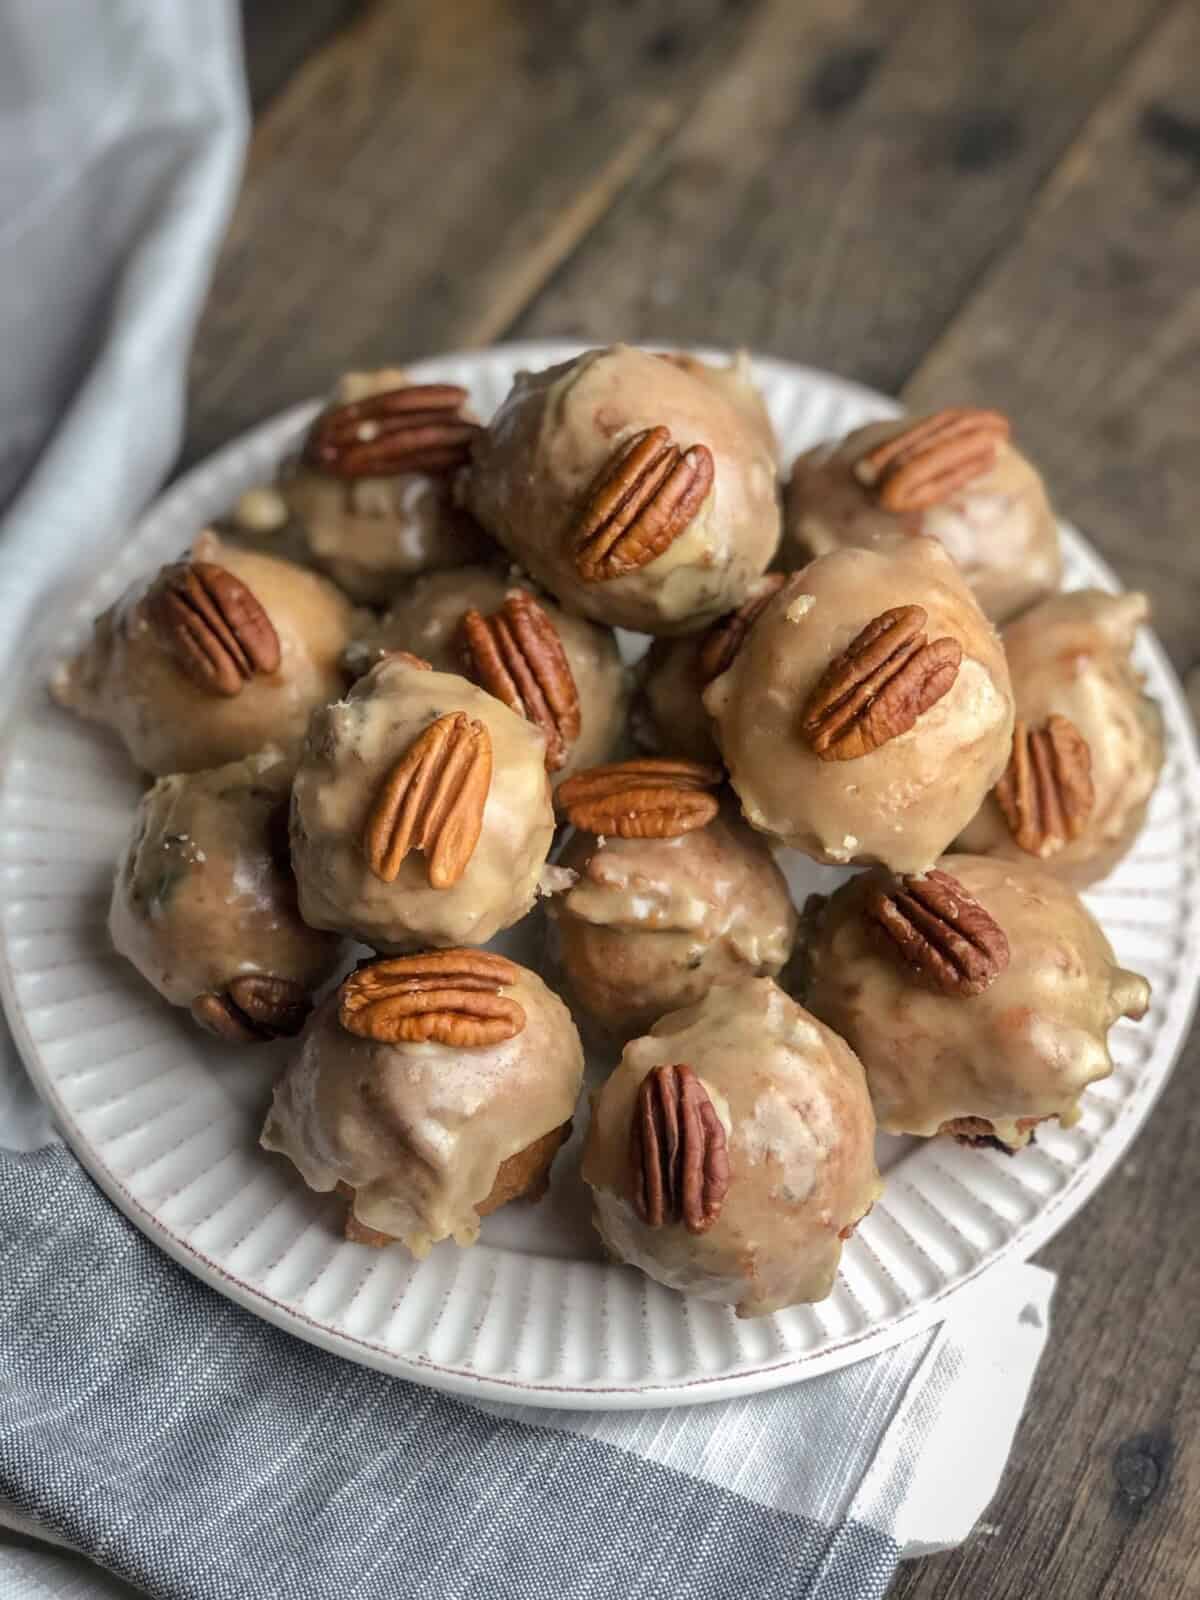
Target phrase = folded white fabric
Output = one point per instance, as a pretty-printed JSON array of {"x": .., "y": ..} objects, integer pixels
[
  {"x": 144, "y": 1422},
  {"x": 910, "y": 1443},
  {"x": 122, "y": 128}
]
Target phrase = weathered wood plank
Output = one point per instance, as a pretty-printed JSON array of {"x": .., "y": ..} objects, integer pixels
[
  {"x": 418, "y": 179},
  {"x": 1099, "y": 1498},
  {"x": 838, "y": 191},
  {"x": 279, "y": 34},
  {"x": 1088, "y": 332}
]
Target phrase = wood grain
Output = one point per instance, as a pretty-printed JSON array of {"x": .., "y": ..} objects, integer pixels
[
  {"x": 418, "y": 180},
  {"x": 1099, "y": 1498},
  {"x": 837, "y": 192},
  {"x": 278, "y": 35},
  {"x": 1088, "y": 332}
]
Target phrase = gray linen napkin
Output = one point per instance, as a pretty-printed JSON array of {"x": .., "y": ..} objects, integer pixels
[{"x": 145, "y": 1422}]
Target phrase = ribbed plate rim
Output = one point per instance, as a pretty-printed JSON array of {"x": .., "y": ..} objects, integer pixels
[{"x": 268, "y": 440}]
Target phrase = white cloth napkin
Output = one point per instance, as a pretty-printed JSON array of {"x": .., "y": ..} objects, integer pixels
[
  {"x": 122, "y": 127},
  {"x": 121, "y": 133}
]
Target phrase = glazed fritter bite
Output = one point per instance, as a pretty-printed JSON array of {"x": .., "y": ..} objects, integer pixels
[
  {"x": 733, "y": 1151},
  {"x": 369, "y": 499},
  {"x": 667, "y": 899},
  {"x": 211, "y": 658},
  {"x": 421, "y": 812},
  {"x": 1088, "y": 743},
  {"x": 978, "y": 996},
  {"x": 637, "y": 493},
  {"x": 954, "y": 476},
  {"x": 431, "y": 1089},
  {"x": 204, "y": 902},
  {"x": 868, "y": 710},
  {"x": 562, "y": 673}
]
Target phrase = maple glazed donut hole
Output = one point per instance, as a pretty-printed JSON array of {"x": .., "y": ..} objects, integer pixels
[
  {"x": 978, "y": 996},
  {"x": 776, "y": 1151},
  {"x": 868, "y": 710},
  {"x": 955, "y": 476},
  {"x": 204, "y": 902},
  {"x": 1088, "y": 743},
  {"x": 430, "y": 1089},
  {"x": 421, "y": 812},
  {"x": 638, "y": 494},
  {"x": 561, "y": 672},
  {"x": 368, "y": 498},
  {"x": 211, "y": 658},
  {"x": 664, "y": 903}
]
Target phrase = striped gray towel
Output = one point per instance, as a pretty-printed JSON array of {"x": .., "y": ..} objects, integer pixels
[
  {"x": 153, "y": 1434},
  {"x": 198, "y": 1452}
]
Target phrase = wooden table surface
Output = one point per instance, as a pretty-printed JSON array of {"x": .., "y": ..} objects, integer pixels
[{"x": 993, "y": 201}]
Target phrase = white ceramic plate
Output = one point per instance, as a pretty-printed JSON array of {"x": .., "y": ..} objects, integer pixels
[{"x": 166, "y": 1121}]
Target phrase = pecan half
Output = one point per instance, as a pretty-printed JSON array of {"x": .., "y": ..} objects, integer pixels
[
  {"x": 639, "y": 504},
  {"x": 253, "y": 1007},
  {"x": 941, "y": 932},
  {"x": 647, "y": 798},
  {"x": 678, "y": 1152},
  {"x": 433, "y": 800},
  {"x": 886, "y": 678},
  {"x": 211, "y": 623},
  {"x": 517, "y": 655},
  {"x": 1046, "y": 792},
  {"x": 928, "y": 461},
  {"x": 720, "y": 645},
  {"x": 416, "y": 429},
  {"x": 449, "y": 996}
]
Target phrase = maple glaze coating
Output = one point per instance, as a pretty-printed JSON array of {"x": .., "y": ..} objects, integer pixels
[
  {"x": 426, "y": 619},
  {"x": 127, "y": 679},
  {"x": 999, "y": 527},
  {"x": 673, "y": 675},
  {"x": 1023, "y": 1050},
  {"x": 905, "y": 801},
  {"x": 1070, "y": 657},
  {"x": 202, "y": 893},
  {"x": 559, "y": 429},
  {"x": 369, "y": 534},
  {"x": 420, "y": 1130},
  {"x": 800, "y": 1136},
  {"x": 651, "y": 924},
  {"x": 734, "y": 381},
  {"x": 351, "y": 747}
]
